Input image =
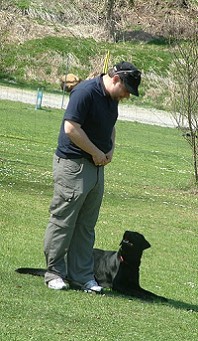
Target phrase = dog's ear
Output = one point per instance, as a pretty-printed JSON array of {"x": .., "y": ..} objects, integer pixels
[{"x": 127, "y": 235}]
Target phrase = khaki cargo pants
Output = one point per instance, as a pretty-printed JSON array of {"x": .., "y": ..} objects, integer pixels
[{"x": 70, "y": 234}]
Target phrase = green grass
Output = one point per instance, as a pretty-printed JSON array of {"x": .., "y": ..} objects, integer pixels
[
  {"x": 41, "y": 62},
  {"x": 149, "y": 189},
  {"x": 147, "y": 56}
]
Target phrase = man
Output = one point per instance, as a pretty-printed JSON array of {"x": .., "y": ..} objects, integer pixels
[{"x": 85, "y": 145}]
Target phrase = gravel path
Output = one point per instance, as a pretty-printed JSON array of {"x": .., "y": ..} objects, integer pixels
[{"x": 126, "y": 112}]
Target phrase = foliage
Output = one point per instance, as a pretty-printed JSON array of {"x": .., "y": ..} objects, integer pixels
[
  {"x": 22, "y": 4},
  {"x": 148, "y": 189}
]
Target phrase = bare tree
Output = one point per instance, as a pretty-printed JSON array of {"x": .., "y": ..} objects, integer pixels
[
  {"x": 110, "y": 6},
  {"x": 185, "y": 80},
  {"x": 110, "y": 24}
]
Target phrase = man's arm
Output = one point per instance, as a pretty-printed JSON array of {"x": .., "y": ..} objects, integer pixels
[{"x": 80, "y": 139}]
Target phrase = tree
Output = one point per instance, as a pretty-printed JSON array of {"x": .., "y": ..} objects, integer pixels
[
  {"x": 110, "y": 17},
  {"x": 110, "y": 24},
  {"x": 185, "y": 80}
]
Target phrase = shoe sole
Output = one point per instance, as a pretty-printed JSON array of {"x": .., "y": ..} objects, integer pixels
[
  {"x": 66, "y": 287},
  {"x": 78, "y": 286},
  {"x": 89, "y": 291},
  {"x": 63, "y": 288}
]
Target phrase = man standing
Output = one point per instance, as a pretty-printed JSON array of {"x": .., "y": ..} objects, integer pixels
[{"x": 85, "y": 145}]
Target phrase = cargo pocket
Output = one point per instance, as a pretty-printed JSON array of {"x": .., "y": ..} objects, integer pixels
[
  {"x": 72, "y": 166},
  {"x": 67, "y": 171},
  {"x": 61, "y": 200}
]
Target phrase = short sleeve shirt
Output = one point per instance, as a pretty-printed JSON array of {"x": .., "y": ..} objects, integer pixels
[{"x": 96, "y": 112}]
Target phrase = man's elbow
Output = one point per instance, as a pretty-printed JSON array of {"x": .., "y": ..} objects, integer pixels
[{"x": 68, "y": 128}]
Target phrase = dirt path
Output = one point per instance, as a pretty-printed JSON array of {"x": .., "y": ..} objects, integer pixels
[{"x": 126, "y": 112}]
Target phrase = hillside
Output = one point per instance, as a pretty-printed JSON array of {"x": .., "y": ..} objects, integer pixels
[
  {"x": 141, "y": 21},
  {"x": 42, "y": 40}
]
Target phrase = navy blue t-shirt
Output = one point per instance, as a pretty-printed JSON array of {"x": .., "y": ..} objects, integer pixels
[{"x": 96, "y": 112}]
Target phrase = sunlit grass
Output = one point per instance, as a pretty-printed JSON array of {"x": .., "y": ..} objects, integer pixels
[{"x": 149, "y": 189}]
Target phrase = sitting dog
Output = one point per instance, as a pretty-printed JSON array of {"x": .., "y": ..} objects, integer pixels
[{"x": 118, "y": 270}]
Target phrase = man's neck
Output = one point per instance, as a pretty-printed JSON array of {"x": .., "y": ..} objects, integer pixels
[{"x": 107, "y": 82}]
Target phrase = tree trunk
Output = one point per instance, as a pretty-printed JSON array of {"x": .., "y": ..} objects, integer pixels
[{"x": 110, "y": 25}]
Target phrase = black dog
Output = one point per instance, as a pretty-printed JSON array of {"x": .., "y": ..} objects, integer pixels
[{"x": 118, "y": 270}]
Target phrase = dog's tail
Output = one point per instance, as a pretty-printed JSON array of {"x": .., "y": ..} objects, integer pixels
[{"x": 31, "y": 271}]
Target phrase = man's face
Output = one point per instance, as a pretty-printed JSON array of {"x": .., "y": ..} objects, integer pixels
[{"x": 119, "y": 90}]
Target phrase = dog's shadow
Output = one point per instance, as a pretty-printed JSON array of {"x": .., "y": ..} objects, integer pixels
[
  {"x": 191, "y": 308},
  {"x": 182, "y": 305}
]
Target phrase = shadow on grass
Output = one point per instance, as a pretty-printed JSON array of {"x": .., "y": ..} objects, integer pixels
[
  {"x": 170, "y": 302},
  {"x": 192, "y": 308},
  {"x": 183, "y": 305}
]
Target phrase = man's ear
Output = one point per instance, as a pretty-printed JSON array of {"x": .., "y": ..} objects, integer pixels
[{"x": 115, "y": 79}]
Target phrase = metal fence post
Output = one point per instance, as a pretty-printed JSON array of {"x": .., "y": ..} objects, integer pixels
[{"x": 39, "y": 99}]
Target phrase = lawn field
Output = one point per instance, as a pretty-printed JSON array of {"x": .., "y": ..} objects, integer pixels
[{"x": 149, "y": 188}]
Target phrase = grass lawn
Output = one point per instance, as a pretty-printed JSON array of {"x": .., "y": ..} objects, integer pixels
[{"x": 149, "y": 189}]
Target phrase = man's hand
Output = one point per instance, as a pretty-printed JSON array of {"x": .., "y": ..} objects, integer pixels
[
  {"x": 109, "y": 156},
  {"x": 100, "y": 158},
  {"x": 79, "y": 137}
]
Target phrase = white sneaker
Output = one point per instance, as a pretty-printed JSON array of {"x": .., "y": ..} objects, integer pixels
[
  {"x": 58, "y": 284},
  {"x": 92, "y": 287}
]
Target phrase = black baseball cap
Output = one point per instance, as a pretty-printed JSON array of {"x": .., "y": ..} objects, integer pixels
[{"x": 130, "y": 76}]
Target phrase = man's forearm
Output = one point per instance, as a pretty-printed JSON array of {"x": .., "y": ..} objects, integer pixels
[
  {"x": 79, "y": 137},
  {"x": 81, "y": 140}
]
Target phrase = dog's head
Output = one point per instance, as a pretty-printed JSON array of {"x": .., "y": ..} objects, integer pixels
[
  {"x": 136, "y": 240},
  {"x": 132, "y": 246}
]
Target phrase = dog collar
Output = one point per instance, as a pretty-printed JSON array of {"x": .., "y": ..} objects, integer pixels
[{"x": 121, "y": 259}]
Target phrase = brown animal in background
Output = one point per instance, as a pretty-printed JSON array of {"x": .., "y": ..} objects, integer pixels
[{"x": 69, "y": 81}]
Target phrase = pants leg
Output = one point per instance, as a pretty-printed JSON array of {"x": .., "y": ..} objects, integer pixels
[
  {"x": 80, "y": 254},
  {"x": 73, "y": 181}
]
